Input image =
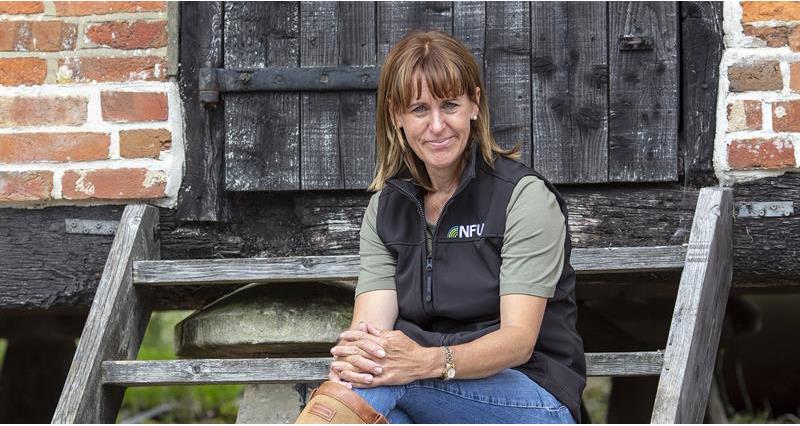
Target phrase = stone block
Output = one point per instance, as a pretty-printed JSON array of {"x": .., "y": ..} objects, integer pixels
[{"x": 276, "y": 319}]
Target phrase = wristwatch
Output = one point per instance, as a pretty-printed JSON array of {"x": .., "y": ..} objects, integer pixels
[{"x": 449, "y": 366}]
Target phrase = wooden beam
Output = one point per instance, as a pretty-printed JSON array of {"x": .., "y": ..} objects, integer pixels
[
  {"x": 699, "y": 309},
  {"x": 701, "y": 51},
  {"x": 307, "y": 370},
  {"x": 202, "y": 195},
  {"x": 337, "y": 268},
  {"x": 115, "y": 325},
  {"x": 40, "y": 270}
]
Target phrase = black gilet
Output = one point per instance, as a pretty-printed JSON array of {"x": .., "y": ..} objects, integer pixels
[{"x": 451, "y": 295}]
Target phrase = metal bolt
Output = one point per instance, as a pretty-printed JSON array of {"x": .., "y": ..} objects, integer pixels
[
  {"x": 244, "y": 78},
  {"x": 73, "y": 225},
  {"x": 323, "y": 78},
  {"x": 98, "y": 225},
  {"x": 774, "y": 207},
  {"x": 762, "y": 212},
  {"x": 787, "y": 213}
]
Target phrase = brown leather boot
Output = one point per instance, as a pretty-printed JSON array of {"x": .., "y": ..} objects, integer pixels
[{"x": 335, "y": 403}]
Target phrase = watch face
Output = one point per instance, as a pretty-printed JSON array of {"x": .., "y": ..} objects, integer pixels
[{"x": 451, "y": 372}]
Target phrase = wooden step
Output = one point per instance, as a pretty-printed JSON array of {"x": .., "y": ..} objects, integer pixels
[
  {"x": 299, "y": 370},
  {"x": 338, "y": 268}
]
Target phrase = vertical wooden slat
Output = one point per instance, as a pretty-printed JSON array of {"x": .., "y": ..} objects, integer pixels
[
  {"x": 701, "y": 52},
  {"x": 115, "y": 325},
  {"x": 262, "y": 129},
  {"x": 321, "y": 166},
  {"x": 550, "y": 99},
  {"x": 699, "y": 310},
  {"x": 587, "y": 41},
  {"x": 508, "y": 74},
  {"x": 396, "y": 19},
  {"x": 469, "y": 26},
  {"x": 357, "y": 46},
  {"x": 643, "y": 91},
  {"x": 202, "y": 195}
]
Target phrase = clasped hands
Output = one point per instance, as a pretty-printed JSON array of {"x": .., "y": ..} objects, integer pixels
[{"x": 367, "y": 357}]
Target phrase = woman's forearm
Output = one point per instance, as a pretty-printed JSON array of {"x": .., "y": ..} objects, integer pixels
[
  {"x": 483, "y": 357},
  {"x": 510, "y": 346},
  {"x": 378, "y": 307}
]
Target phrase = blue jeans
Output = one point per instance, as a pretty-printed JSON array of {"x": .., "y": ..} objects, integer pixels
[{"x": 507, "y": 397}]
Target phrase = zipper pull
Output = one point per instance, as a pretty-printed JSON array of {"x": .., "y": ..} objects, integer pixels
[{"x": 429, "y": 268}]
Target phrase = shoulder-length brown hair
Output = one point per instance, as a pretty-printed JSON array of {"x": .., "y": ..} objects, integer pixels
[{"x": 449, "y": 70}]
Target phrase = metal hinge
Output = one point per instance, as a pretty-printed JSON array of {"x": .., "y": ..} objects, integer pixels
[
  {"x": 274, "y": 79},
  {"x": 766, "y": 209},
  {"x": 91, "y": 227}
]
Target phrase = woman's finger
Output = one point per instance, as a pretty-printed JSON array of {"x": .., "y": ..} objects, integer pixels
[
  {"x": 347, "y": 350},
  {"x": 368, "y": 346},
  {"x": 362, "y": 364},
  {"x": 334, "y": 377},
  {"x": 349, "y": 336},
  {"x": 371, "y": 329},
  {"x": 356, "y": 378}
]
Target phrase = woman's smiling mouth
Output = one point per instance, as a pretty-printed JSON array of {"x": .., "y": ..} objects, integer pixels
[{"x": 440, "y": 142}]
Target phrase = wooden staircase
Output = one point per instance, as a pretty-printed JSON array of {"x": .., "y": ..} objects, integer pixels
[{"x": 104, "y": 362}]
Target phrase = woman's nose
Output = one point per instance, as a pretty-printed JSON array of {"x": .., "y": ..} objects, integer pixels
[{"x": 437, "y": 121}]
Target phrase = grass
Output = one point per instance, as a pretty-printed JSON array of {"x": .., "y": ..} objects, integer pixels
[
  {"x": 595, "y": 397},
  {"x": 188, "y": 404}
]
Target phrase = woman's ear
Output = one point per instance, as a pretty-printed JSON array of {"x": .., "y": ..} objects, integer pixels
[{"x": 477, "y": 100}]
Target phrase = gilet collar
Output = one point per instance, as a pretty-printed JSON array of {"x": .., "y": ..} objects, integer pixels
[{"x": 467, "y": 174}]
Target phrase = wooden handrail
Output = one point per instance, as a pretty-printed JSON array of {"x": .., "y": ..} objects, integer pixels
[{"x": 699, "y": 309}]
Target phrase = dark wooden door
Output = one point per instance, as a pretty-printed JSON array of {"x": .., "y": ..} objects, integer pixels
[{"x": 589, "y": 89}]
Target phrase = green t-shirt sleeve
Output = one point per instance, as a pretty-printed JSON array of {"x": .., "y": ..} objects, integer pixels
[
  {"x": 377, "y": 266},
  {"x": 533, "y": 242}
]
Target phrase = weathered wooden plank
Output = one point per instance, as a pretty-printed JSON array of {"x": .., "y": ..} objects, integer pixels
[
  {"x": 699, "y": 309},
  {"x": 508, "y": 74},
  {"x": 335, "y": 268},
  {"x": 587, "y": 44},
  {"x": 550, "y": 102},
  {"x": 216, "y": 371},
  {"x": 262, "y": 129},
  {"x": 469, "y": 26},
  {"x": 306, "y": 370},
  {"x": 624, "y": 364},
  {"x": 202, "y": 195},
  {"x": 701, "y": 52},
  {"x": 115, "y": 325},
  {"x": 320, "y": 160},
  {"x": 643, "y": 93},
  {"x": 396, "y": 19},
  {"x": 357, "y": 46}
]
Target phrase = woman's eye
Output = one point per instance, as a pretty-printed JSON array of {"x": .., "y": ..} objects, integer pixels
[
  {"x": 418, "y": 109},
  {"x": 450, "y": 105}
]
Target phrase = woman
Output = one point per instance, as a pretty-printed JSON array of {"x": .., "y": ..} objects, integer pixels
[{"x": 465, "y": 308}]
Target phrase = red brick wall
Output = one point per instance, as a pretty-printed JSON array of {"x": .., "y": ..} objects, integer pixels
[
  {"x": 88, "y": 112},
  {"x": 759, "y": 118}
]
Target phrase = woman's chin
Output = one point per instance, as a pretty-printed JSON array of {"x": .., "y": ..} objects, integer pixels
[{"x": 442, "y": 163}]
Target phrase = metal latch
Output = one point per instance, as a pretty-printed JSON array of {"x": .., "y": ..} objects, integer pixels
[
  {"x": 91, "y": 227},
  {"x": 632, "y": 42},
  {"x": 766, "y": 209}
]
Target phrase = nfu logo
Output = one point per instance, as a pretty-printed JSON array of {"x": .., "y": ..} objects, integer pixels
[{"x": 465, "y": 231}]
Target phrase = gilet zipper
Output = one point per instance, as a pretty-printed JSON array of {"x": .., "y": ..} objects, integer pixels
[{"x": 428, "y": 274}]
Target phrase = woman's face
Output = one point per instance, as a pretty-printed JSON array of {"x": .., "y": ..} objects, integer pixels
[{"x": 438, "y": 129}]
